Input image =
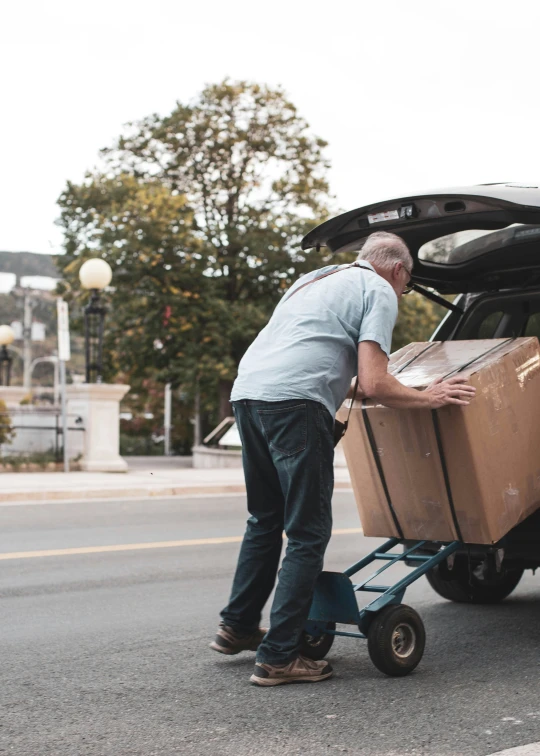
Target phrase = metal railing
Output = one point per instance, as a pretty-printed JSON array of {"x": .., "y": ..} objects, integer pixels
[{"x": 46, "y": 426}]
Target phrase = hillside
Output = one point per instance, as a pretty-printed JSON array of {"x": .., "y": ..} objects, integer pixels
[{"x": 28, "y": 264}]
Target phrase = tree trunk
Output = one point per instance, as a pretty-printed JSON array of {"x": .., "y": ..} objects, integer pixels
[{"x": 225, "y": 409}]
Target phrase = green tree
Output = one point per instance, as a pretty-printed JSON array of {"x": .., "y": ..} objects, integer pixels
[
  {"x": 143, "y": 229},
  {"x": 247, "y": 179},
  {"x": 417, "y": 319}
]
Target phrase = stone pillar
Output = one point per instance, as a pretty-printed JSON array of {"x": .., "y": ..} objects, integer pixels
[{"x": 99, "y": 406}]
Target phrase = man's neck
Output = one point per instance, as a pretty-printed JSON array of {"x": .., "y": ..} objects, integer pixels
[{"x": 387, "y": 277}]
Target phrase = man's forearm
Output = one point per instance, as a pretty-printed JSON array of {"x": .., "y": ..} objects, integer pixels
[
  {"x": 390, "y": 392},
  {"x": 376, "y": 382}
]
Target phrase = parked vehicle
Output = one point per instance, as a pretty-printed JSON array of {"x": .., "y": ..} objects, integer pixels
[{"x": 482, "y": 244}]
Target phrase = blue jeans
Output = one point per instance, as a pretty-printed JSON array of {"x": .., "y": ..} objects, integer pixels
[{"x": 288, "y": 456}]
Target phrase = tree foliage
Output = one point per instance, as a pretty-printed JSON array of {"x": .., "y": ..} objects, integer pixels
[
  {"x": 6, "y": 431},
  {"x": 143, "y": 230},
  {"x": 200, "y": 214},
  {"x": 417, "y": 319},
  {"x": 144, "y": 432}
]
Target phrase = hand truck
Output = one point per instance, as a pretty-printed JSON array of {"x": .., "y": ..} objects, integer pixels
[
  {"x": 395, "y": 632},
  {"x": 474, "y": 574}
]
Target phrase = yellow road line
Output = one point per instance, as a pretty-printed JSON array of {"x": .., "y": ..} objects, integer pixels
[{"x": 140, "y": 546}]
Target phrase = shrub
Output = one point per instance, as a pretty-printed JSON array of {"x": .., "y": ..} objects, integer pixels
[{"x": 6, "y": 431}]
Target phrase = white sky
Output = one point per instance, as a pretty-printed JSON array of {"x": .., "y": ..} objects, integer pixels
[{"x": 410, "y": 94}]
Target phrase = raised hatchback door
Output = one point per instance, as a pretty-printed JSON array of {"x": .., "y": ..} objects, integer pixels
[{"x": 476, "y": 238}]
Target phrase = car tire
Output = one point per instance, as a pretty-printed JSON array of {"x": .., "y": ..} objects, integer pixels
[{"x": 464, "y": 586}]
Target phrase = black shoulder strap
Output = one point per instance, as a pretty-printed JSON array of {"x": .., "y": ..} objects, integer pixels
[
  {"x": 325, "y": 275},
  {"x": 353, "y": 397}
]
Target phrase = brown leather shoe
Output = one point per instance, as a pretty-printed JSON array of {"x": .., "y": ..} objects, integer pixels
[
  {"x": 227, "y": 641},
  {"x": 299, "y": 670}
]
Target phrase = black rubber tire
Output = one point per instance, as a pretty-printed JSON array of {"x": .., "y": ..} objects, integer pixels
[
  {"x": 463, "y": 586},
  {"x": 317, "y": 647},
  {"x": 396, "y": 640}
]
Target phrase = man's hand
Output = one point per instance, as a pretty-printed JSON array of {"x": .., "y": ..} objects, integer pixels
[{"x": 455, "y": 390}]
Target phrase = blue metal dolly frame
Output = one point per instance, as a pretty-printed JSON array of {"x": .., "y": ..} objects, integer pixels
[{"x": 394, "y": 631}]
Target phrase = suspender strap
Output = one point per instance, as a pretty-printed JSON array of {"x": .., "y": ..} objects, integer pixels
[
  {"x": 325, "y": 275},
  {"x": 346, "y": 423},
  {"x": 372, "y": 443}
]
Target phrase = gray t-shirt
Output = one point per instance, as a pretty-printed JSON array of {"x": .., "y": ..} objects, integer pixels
[{"x": 309, "y": 348}]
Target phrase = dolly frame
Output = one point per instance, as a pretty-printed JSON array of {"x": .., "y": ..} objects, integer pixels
[{"x": 334, "y": 599}]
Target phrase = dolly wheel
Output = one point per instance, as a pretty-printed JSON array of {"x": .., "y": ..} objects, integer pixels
[
  {"x": 396, "y": 640},
  {"x": 317, "y": 646}
]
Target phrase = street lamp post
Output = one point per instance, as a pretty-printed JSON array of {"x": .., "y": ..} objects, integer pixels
[
  {"x": 95, "y": 274},
  {"x": 6, "y": 337}
]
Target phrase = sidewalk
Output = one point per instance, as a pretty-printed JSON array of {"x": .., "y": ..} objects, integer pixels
[{"x": 146, "y": 478}]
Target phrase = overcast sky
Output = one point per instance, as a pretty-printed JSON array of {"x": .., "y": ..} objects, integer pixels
[{"x": 410, "y": 95}]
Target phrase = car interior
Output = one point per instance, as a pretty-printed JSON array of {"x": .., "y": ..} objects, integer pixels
[{"x": 495, "y": 315}]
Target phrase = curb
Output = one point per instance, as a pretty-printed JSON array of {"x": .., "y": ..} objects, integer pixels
[
  {"x": 532, "y": 749},
  {"x": 144, "y": 492}
]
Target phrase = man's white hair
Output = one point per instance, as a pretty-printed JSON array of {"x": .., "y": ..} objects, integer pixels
[{"x": 384, "y": 250}]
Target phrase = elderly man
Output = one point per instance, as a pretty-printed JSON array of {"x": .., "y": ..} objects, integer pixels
[{"x": 332, "y": 325}]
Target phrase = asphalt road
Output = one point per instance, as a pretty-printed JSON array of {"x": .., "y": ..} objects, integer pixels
[{"x": 106, "y": 652}]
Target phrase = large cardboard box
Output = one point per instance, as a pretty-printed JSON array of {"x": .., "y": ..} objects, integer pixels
[{"x": 461, "y": 472}]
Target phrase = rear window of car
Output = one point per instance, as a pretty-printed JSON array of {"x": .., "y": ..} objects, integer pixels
[
  {"x": 440, "y": 250},
  {"x": 463, "y": 246},
  {"x": 488, "y": 326},
  {"x": 533, "y": 326}
]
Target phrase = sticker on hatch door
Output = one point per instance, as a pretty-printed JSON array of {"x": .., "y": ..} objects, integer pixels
[{"x": 384, "y": 216}]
